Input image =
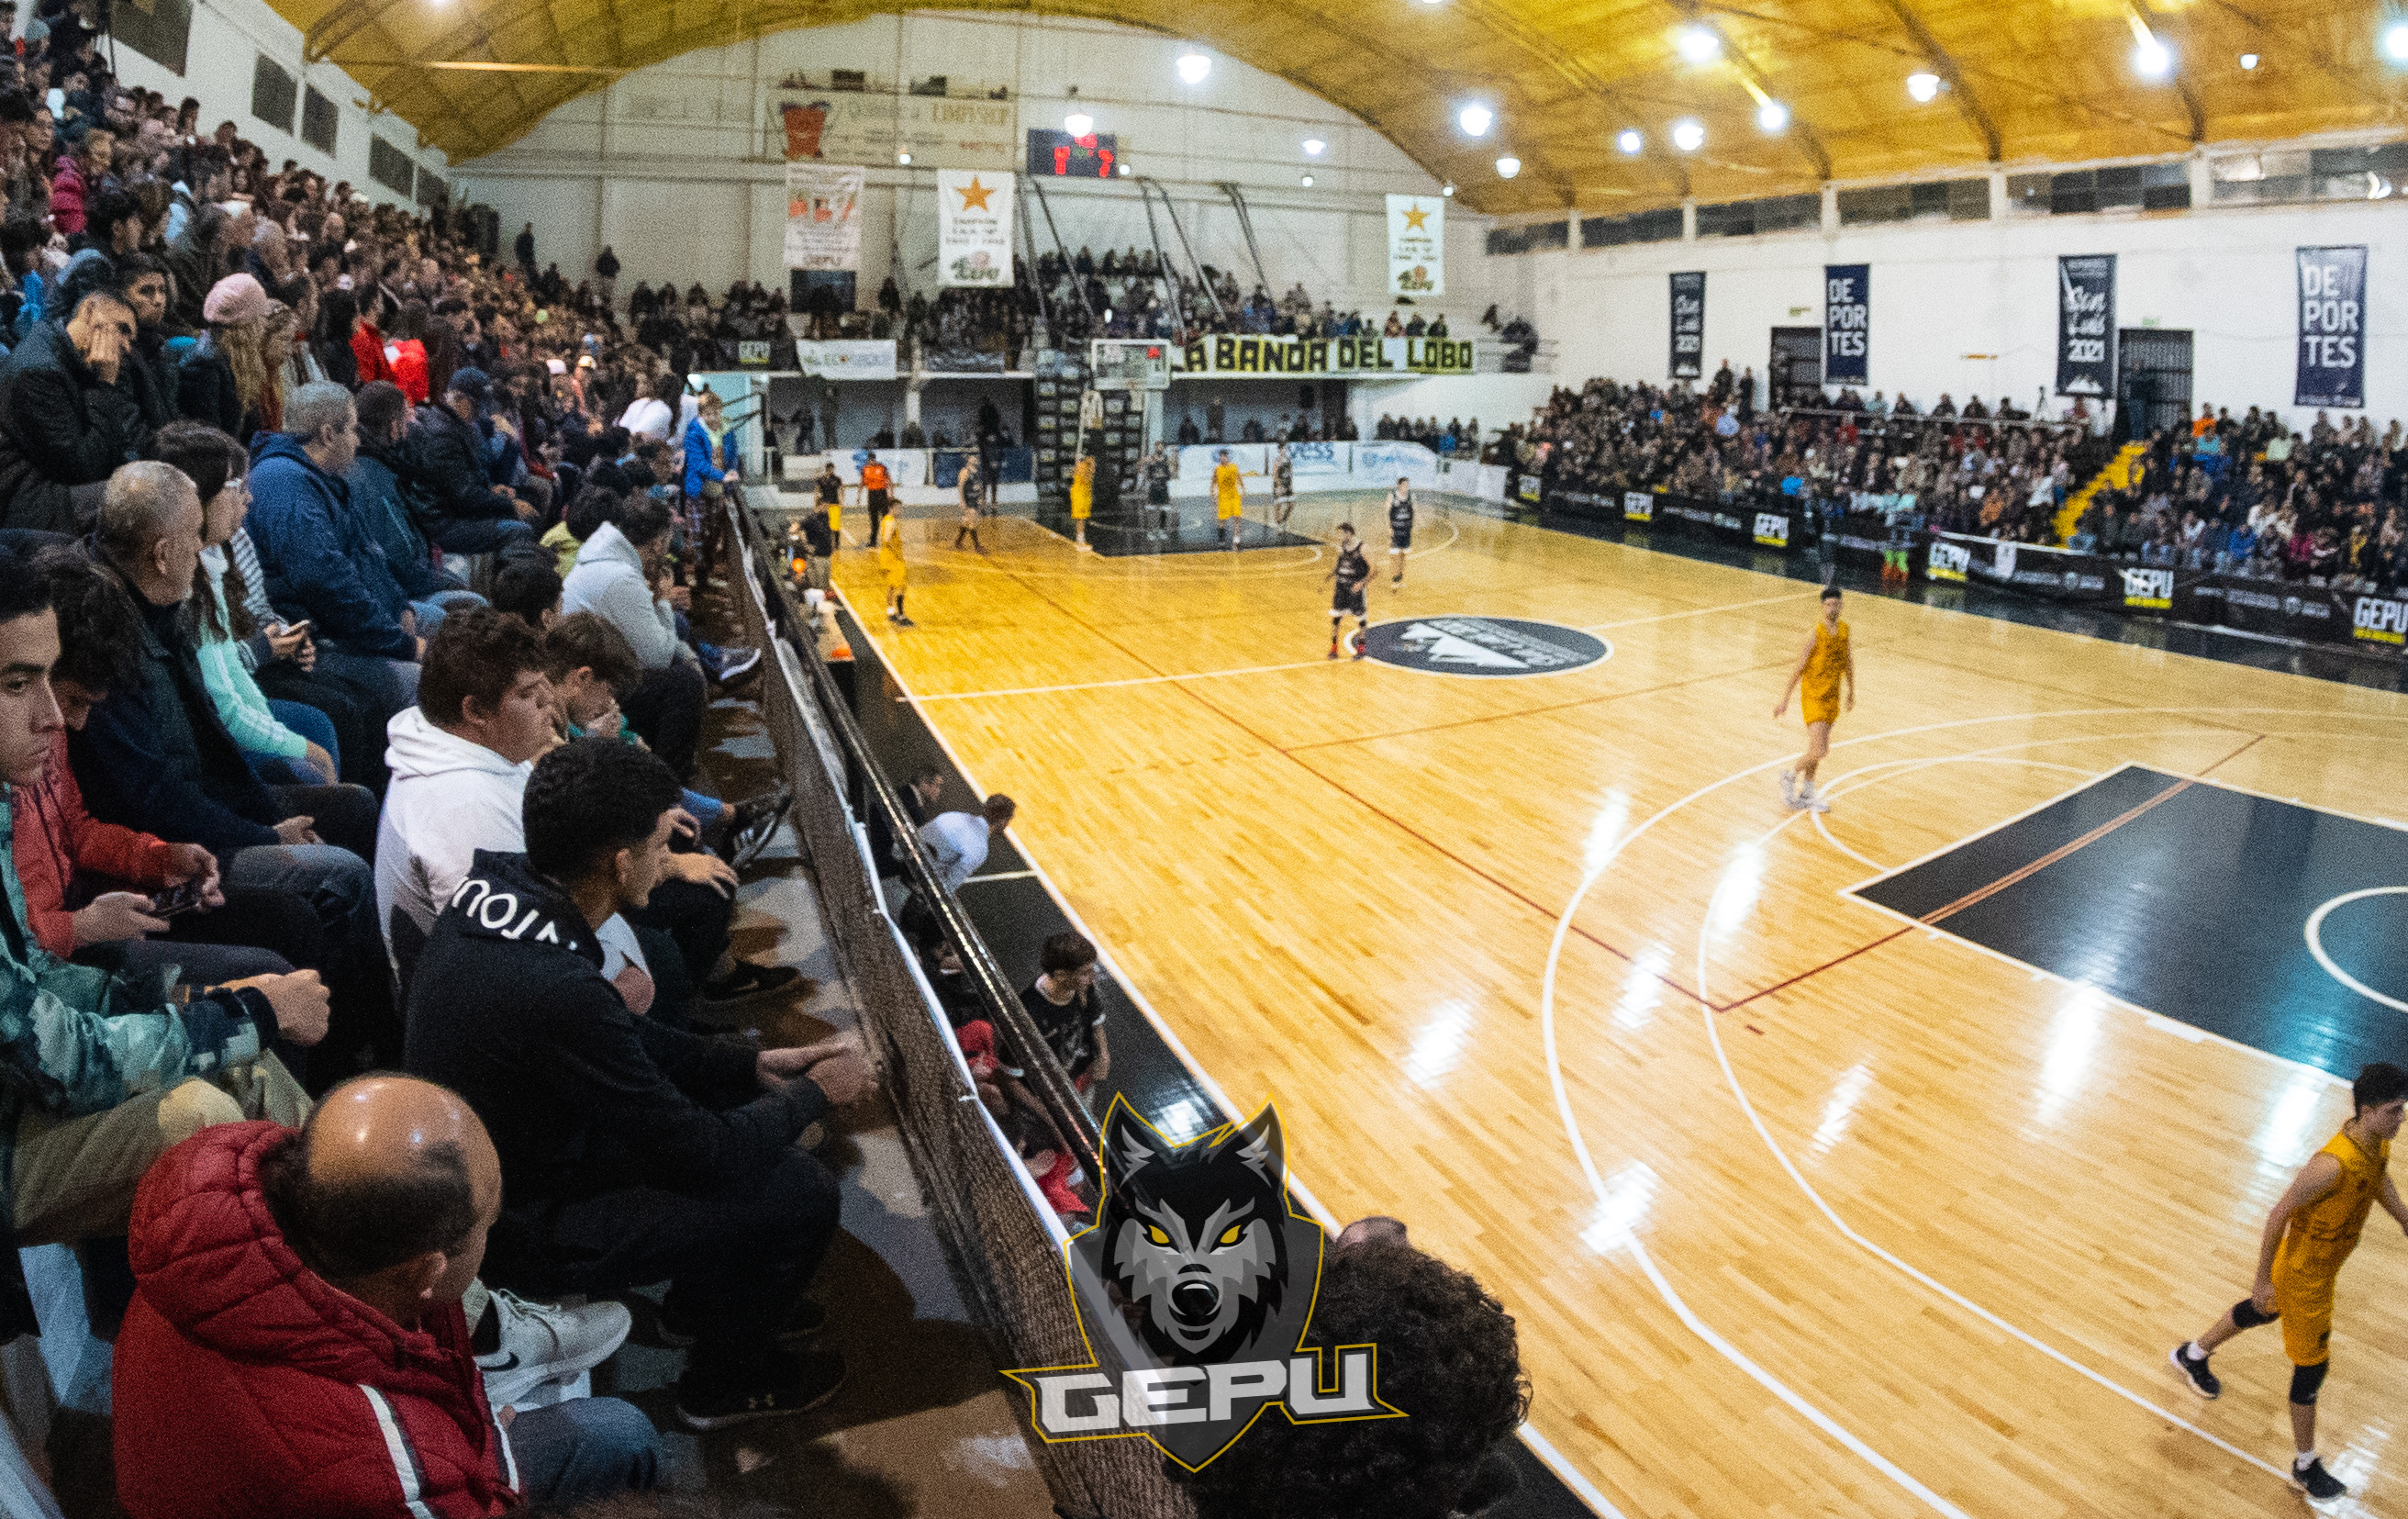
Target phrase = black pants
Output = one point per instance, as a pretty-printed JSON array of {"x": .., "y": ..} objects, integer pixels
[
  {"x": 735, "y": 1259},
  {"x": 665, "y": 711},
  {"x": 693, "y": 919}
]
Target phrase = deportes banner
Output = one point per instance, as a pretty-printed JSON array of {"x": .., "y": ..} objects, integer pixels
[
  {"x": 973, "y": 228},
  {"x": 1847, "y": 321},
  {"x": 1688, "y": 326},
  {"x": 1416, "y": 245},
  {"x": 823, "y": 217},
  {"x": 2086, "y": 324},
  {"x": 2332, "y": 328}
]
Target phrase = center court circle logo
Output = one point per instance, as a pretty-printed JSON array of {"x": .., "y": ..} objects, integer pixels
[{"x": 1486, "y": 645}]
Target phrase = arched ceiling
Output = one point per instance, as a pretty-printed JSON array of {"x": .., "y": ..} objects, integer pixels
[{"x": 2026, "y": 80}]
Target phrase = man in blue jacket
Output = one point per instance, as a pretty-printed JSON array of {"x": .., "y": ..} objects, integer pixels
[
  {"x": 323, "y": 565},
  {"x": 387, "y": 511}
]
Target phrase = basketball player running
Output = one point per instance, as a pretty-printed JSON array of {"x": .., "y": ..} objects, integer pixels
[
  {"x": 1228, "y": 497},
  {"x": 2311, "y": 1231},
  {"x": 1400, "y": 530},
  {"x": 890, "y": 560},
  {"x": 1822, "y": 665},
  {"x": 1351, "y": 572},
  {"x": 972, "y": 493},
  {"x": 1282, "y": 487}
]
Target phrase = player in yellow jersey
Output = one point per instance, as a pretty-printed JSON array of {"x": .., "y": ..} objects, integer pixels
[
  {"x": 1082, "y": 495},
  {"x": 2307, "y": 1237},
  {"x": 1825, "y": 665},
  {"x": 890, "y": 560},
  {"x": 1227, "y": 495}
]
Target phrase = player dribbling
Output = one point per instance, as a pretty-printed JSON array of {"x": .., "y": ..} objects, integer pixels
[
  {"x": 1824, "y": 666},
  {"x": 1350, "y": 573}
]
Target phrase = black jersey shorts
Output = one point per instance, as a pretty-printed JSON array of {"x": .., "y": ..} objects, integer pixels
[{"x": 1347, "y": 601}]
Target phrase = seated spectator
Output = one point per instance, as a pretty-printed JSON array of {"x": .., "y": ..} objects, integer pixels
[
  {"x": 298, "y": 1328},
  {"x": 587, "y": 511},
  {"x": 105, "y": 1073},
  {"x": 631, "y": 1153},
  {"x": 382, "y": 506},
  {"x": 528, "y": 590},
  {"x": 157, "y": 757},
  {"x": 620, "y": 577},
  {"x": 147, "y": 372},
  {"x": 956, "y": 842},
  {"x": 446, "y": 458},
  {"x": 65, "y": 425},
  {"x": 224, "y": 381},
  {"x": 1448, "y": 1360},
  {"x": 323, "y": 565}
]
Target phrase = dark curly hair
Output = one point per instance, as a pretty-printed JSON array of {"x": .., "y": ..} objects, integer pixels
[
  {"x": 1447, "y": 1358},
  {"x": 100, "y": 645},
  {"x": 590, "y": 799}
]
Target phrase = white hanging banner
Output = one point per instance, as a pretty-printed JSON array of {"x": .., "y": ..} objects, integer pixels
[
  {"x": 1416, "y": 245},
  {"x": 973, "y": 228},
  {"x": 823, "y": 217}
]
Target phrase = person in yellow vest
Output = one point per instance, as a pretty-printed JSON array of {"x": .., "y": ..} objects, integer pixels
[
  {"x": 889, "y": 562},
  {"x": 1825, "y": 665},
  {"x": 1082, "y": 495},
  {"x": 2311, "y": 1231},
  {"x": 1226, "y": 497}
]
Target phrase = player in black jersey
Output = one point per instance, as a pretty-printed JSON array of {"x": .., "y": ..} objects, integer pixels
[
  {"x": 1346, "y": 597},
  {"x": 1400, "y": 530}
]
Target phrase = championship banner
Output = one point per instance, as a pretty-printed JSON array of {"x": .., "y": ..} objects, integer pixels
[
  {"x": 823, "y": 217},
  {"x": 2332, "y": 328},
  {"x": 1416, "y": 245},
  {"x": 852, "y": 127},
  {"x": 1688, "y": 326},
  {"x": 1335, "y": 356},
  {"x": 1847, "y": 321},
  {"x": 2086, "y": 324},
  {"x": 973, "y": 228}
]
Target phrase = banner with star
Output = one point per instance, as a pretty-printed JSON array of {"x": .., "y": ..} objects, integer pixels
[
  {"x": 823, "y": 217},
  {"x": 1416, "y": 245},
  {"x": 973, "y": 228}
]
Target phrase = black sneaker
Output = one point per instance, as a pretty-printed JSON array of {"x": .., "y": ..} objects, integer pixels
[
  {"x": 2202, "y": 1380},
  {"x": 804, "y": 1319},
  {"x": 751, "y": 823},
  {"x": 784, "y": 1385},
  {"x": 749, "y": 982},
  {"x": 2320, "y": 1486}
]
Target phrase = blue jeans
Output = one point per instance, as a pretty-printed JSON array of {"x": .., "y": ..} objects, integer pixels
[
  {"x": 310, "y": 724},
  {"x": 706, "y": 810},
  {"x": 432, "y": 611},
  {"x": 584, "y": 1449}
]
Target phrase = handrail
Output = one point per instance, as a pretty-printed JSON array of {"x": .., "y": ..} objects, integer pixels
[{"x": 1043, "y": 1074}]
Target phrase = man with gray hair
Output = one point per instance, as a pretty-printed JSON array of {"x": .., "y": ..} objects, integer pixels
[{"x": 323, "y": 565}]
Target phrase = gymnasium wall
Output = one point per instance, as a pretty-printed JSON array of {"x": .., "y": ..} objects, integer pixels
[
  {"x": 674, "y": 168},
  {"x": 228, "y": 38},
  {"x": 1945, "y": 290}
]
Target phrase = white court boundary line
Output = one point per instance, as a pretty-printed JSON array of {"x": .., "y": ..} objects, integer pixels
[
  {"x": 1571, "y": 1125},
  {"x": 1700, "y": 611},
  {"x": 1313, "y": 555},
  {"x": 2314, "y": 934},
  {"x": 1756, "y": 1120}
]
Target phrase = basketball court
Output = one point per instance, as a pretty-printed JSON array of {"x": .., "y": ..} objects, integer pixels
[{"x": 1865, "y": 1163}]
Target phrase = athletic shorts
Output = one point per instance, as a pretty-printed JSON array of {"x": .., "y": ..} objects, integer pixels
[
  {"x": 2306, "y": 1309},
  {"x": 1818, "y": 705},
  {"x": 879, "y": 500},
  {"x": 1347, "y": 603},
  {"x": 1400, "y": 542},
  {"x": 1157, "y": 495}
]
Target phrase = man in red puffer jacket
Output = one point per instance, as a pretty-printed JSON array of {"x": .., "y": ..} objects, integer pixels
[{"x": 296, "y": 1344}]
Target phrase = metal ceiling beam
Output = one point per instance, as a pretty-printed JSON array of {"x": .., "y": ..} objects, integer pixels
[
  {"x": 1695, "y": 14},
  {"x": 2191, "y": 107},
  {"x": 1969, "y": 104}
]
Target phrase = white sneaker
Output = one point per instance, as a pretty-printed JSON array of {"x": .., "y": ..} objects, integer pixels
[
  {"x": 1790, "y": 790},
  {"x": 543, "y": 1343},
  {"x": 1813, "y": 800}
]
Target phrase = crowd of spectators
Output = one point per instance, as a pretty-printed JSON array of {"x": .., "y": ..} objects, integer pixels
[{"x": 2247, "y": 495}]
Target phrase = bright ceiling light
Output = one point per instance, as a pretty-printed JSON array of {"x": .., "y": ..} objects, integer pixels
[
  {"x": 1125, "y": 170},
  {"x": 1630, "y": 141},
  {"x": 1313, "y": 147},
  {"x": 1688, "y": 136},
  {"x": 1447, "y": 190},
  {"x": 2395, "y": 41},
  {"x": 1078, "y": 124},
  {"x": 1193, "y": 66},
  {"x": 1475, "y": 119},
  {"x": 1306, "y": 182},
  {"x": 1508, "y": 167},
  {"x": 1772, "y": 116},
  {"x": 2248, "y": 61},
  {"x": 1922, "y": 87},
  {"x": 1697, "y": 45},
  {"x": 904, "y": 159},
  {"x": 2151, "y": 58}
]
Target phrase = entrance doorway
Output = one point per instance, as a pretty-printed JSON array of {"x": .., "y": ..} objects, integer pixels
[
  {"x": 1796, "y": 372},
  {"x": 2151, "y": 380}
]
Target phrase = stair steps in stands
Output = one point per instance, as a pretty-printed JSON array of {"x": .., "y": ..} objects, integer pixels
[{"x": 2119, "y": 473}]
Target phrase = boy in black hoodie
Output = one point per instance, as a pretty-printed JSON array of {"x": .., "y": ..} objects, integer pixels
[{"x": 631, "y": 1151}]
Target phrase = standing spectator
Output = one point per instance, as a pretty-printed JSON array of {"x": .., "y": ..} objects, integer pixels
[
  {"x": 1063, "y": 1002},
  {"x": 956, "y": 842},
  {"x": 524, "y": 247},
  {"x": 606, "y": 270}
]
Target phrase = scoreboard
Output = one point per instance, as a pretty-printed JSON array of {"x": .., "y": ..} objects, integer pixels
[{"x": 1058, "y": 155}]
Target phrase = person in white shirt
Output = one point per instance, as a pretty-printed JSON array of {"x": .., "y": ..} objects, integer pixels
[
  {"x": 651, "y": 415},
  {"x": 956, "y": 842}
]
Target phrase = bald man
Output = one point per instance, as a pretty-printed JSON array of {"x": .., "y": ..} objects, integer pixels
[{"x": 298, "y": 1345}]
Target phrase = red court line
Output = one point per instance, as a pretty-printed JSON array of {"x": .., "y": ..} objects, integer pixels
[{"x": 1816, "y": 970}]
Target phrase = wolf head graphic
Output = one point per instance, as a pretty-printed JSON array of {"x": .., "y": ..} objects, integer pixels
[{"x": 1195, "y": 1236}]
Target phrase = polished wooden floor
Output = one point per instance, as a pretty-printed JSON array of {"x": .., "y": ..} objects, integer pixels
[{"x": 1798, "y": 1213}]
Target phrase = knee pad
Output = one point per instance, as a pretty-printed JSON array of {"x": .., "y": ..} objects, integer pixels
[
  {"x": 2306, "y": 1379},
  {"x": 2246, "y": 1315}
]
